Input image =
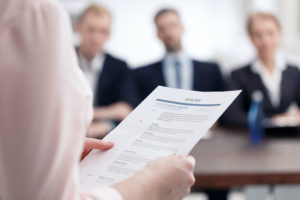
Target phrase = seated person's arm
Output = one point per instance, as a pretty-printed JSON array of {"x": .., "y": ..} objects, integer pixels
[
  {"x": 292, "y": 117},
  {"x": 98, "y": 129},
  {"x": 117, "y": 111},
  {"x": 104, "y": 118}
]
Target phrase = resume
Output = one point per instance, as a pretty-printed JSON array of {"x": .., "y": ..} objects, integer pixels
[{"x": 169, "y": 120}]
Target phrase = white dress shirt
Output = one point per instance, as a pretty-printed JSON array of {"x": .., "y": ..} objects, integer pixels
[
  {"x": 45, "y": 105},
  {"x": 92, "y": 69},
  {"x": 169, "y": 70},
  {"x": 272, "y": 82}
]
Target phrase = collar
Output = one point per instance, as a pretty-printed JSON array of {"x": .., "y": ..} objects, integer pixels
[
  {"x": 171, "y": 56},
  {"x": 94, "y": 65},
  {"x": 280, "y": 64}
]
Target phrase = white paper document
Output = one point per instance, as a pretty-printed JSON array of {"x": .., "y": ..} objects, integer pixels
[{"x": 167, "y": 121}]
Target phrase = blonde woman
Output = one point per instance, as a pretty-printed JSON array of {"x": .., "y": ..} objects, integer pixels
[{"x": 269, "y": 73}]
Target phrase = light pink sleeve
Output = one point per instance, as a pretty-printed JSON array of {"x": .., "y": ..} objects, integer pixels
[
  {"x": 45, "y": 105},
  {"x": 107, "y": 193}
]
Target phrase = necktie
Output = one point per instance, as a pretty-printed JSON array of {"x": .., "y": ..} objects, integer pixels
[{"x": 177, "y": 65}]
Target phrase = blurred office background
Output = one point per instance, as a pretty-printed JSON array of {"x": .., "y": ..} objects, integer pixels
[{"x": 214, "y": 29}]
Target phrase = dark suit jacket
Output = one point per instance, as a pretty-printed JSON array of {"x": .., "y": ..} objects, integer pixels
[
  {"x": 207, "y": 77},
  {"x": 249, "y": 82},
  {"x": 114, "y": 83},
  {"x": 110, "y": 84}
]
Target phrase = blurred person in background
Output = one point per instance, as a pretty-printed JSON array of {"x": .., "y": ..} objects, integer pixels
[
  {"x": 177, "y": 69},
  {"x": 108, "y": 76},
  {"x": 269, "y": 73},
  {"x": 46, "y": 109}
]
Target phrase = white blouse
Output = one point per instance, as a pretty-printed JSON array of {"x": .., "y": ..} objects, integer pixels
[
  {"x": 45, "y": 105},
  {"x": 271, "y": 82},
  {"x": 92, "y": 69}
]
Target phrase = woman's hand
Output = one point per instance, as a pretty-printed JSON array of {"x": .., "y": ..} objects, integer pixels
[
  {"x": 90, "y": 144},
  {"x": 117, "y": 111},
  {"x": 173, "y": 176},
  {"x": 166, "y": 178}
]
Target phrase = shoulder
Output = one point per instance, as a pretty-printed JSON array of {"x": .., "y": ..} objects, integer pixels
[
  {"x": 51, "y": 10},
  {"x": 116, "y": 61},
  {"x": 292, "y": 69},
  {"x": 149, "y": 67},
  {"x": 242, "y": 71},
  {"x": 207, "y": 66}
]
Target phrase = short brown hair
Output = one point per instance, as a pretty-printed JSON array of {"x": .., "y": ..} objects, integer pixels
[
  {"x": 95, "y": 9},
  {"x": 164, "y": 11},
  {"x": 262, "y": 15}
]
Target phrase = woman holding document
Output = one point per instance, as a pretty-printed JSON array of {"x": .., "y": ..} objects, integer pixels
[{"x": 45, "y": 110}]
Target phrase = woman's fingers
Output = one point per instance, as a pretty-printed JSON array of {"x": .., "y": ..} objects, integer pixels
[
  {"x": 172, "y": 187},
  {"x": 191, "y": 160},
  {"x": 91, "y": 143}
]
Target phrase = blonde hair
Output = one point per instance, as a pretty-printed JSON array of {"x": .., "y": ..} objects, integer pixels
[
  {"x": 95, "y": 9},
  {"x": 165, "y": 11},
  {"x": 262, "y": 15}
]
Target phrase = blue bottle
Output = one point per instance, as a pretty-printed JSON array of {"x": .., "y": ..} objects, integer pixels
[{"x": 255, "y": 119}]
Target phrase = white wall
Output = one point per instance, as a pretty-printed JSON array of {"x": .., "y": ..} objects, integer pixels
[{"x": 214, "y": 29}]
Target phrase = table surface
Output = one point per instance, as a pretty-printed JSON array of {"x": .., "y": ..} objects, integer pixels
[{"x": 227, "y": 160}]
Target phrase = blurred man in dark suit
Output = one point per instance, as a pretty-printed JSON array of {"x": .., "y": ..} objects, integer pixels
[
  {"x": 177, "y": 69},
  {"x": 107, "y": 75}
]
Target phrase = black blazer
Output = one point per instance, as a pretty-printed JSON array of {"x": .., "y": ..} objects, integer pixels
[
  {"x": 110, "y": 84},
  {"x": 248, "y": 81},
  {"x": 207, "y": 77},
  {"x": 113, "y": 82}
]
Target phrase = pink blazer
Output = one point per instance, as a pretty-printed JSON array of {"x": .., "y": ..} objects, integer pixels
[{"x": 45, "y": 105}]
